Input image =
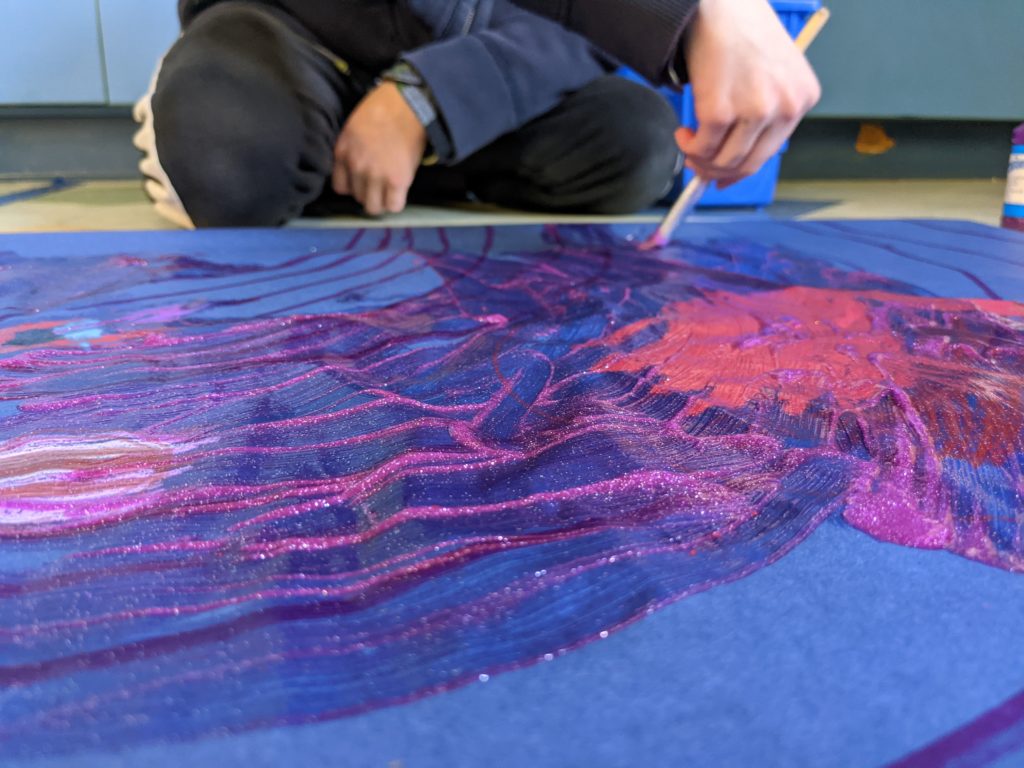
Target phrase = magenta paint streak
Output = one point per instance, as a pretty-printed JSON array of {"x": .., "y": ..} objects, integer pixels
[{"x": 981, "y": 742}]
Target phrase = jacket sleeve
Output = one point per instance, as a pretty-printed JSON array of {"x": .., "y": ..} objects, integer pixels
[
  {"x": 494, "y": 80},
  {"x": 643, "y": 34}
]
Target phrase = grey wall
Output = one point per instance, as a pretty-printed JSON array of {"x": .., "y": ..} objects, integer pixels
[
  {"x": 877, "y": 58},
  {"x": 922, "y": 58}
]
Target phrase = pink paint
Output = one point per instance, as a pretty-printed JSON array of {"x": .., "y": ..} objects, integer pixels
[
  {"x": 657, "y": 240},
  {"x": 799, "y": 346}
]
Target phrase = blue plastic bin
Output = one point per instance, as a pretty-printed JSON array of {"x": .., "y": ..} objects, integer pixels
[{"x": 758, "y": 190}]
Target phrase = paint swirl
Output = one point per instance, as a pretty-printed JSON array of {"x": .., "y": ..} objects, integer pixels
[{"x": 244, "y": 493}]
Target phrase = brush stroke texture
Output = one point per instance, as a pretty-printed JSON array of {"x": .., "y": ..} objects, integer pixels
[{"x": 244, "y": 495}]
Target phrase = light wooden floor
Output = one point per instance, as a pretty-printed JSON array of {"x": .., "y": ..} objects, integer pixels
[{"x": 120, "y": 205}]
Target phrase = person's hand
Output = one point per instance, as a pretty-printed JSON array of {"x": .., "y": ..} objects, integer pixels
[
  {"x": 379, "y": 151},
  {"x": 751, "y": 87}
]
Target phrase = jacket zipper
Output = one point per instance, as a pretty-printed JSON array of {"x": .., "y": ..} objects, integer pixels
[{"x": 468, "y": 24}]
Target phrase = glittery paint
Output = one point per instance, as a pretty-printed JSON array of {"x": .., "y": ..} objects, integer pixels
[{"x": 380, "y": 472}]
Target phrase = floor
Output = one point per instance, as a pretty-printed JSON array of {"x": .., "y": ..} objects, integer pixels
[{"x": 35, "y": 206}]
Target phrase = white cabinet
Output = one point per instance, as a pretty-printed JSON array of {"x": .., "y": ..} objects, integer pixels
[
  {"x": 50, "y": 52},
  {"x": 136, "y": 33}
]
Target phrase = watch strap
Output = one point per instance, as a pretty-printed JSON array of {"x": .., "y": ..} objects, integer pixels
[{"x": 417, "y": 95}]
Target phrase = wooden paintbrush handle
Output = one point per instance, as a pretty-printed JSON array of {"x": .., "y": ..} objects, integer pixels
[{"x": 811, "y": 29}]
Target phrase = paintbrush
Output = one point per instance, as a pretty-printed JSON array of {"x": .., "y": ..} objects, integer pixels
[{"x": 695, "y": 190}]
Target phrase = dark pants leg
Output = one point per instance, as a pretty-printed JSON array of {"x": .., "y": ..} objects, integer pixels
[
  {"x": 247, "y": 111},
  {"x": 608, "y": 148}
]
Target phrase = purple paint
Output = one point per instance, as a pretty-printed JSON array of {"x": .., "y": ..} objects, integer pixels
[
  {"x": 981, "y": 742},
  {"x": 379, "y": 473}
]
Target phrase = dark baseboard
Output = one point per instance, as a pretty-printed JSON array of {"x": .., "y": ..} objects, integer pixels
[
  {"x": 924, "y": 149},
  {"x": 96, "y": 143},
  {"x": 87, "y": 143}
]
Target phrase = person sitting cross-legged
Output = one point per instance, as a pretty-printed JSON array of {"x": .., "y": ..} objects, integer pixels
[{"x": 264, "y": 111}]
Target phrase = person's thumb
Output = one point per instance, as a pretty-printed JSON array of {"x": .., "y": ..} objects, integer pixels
[{"x": 684, "y": 137}]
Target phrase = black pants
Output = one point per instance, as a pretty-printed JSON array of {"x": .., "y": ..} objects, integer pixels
[{"x": 247, "y": 109}]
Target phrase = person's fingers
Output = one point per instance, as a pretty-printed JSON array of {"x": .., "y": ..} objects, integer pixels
[
  {"x": 373, "y": 197},
  {"x": 358, "y": 182},
  {"x": 705, "y": 170},
  {"x": 395, "y": 198},
  {"x": 684, "y": 136},
  {"x": 742, "y": 154},
  {"x": 737, "y": 146},
  {"x": 714, "y": 125},
  {"x": 767, "y": 145},
  {"x": 340, "y": 181},
  {"x": 341, "y": 176}
]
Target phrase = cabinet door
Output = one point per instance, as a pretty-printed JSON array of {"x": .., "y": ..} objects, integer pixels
[
  {"x": 50, "y": 52},
  {"x": 922, "y": 58},
  {"x": 136, "y": 33}
]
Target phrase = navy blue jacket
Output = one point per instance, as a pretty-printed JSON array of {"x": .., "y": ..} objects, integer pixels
[
  {"x": 644, "y": 34},
  {"x": 494, "y": 67},
  {"x": 490, "y": 65}
]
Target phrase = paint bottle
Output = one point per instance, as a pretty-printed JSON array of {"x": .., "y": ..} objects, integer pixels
[{"x": 1013, "y": 211}]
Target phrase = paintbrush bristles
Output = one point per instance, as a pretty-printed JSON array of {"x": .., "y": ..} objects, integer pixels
[{"x": 680, "y": 209}]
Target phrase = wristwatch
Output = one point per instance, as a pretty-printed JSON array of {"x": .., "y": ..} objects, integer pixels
[{"x": 417, "y": 95}]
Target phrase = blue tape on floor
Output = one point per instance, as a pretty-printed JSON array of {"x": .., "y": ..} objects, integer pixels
[{"x": 57, "y": 185}]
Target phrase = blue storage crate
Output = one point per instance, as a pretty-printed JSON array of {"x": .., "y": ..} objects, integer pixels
[{"x": 757, "y": 190}]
